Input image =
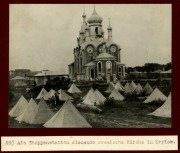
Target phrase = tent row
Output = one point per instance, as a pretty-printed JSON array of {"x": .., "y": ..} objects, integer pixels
[
  {"x": 130, "y": 88},
  {"x": 95, "y": 97},
  {"x": 33, "y": 113},
  {"x": 63, "y": 96}
]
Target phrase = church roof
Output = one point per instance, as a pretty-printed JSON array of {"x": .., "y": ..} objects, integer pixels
[
  {"x": 92, "y": 63},
  {"x": 48, "y": 73},
  {"x": 94, "y": 18},
  {"x": 105, "y": 56}
]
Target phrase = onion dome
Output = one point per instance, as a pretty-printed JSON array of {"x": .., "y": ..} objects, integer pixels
[{"x": 95, "y": 18}]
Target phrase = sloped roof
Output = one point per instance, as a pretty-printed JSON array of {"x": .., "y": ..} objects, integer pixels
[
  {"x": 105, "y": 56},
  {"x": 18, "y": 78},
  {"x": 92, "y": 63},
  {"x": 168, "y": 71},
  {"x": 48, "y": 73},
  {"x": 157, "y": 71}
]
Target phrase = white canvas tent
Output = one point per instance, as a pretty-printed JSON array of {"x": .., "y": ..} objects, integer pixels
[
  {"x": 133, "y": 84},
  {"x": 138, "y": 89},
  {"x": 129, "y": 88},
  {"x": 116, "y": 95},
  {"x": 147, "y": 90},
  {"x": 164, "y": 110},
  {"x": 94, "y": 98},
  {"x": 118, "y": 86},
  {"x": 19, "y": 108},
  {"x": 100, "y": 99},
  {"x": 155, "y": 96},
  {"x": 89, "y": 98},
  {"x": 29, "y": 113},
  {"x": 110, "y": 87},
  {"x": 67, "y": 117},
  {"x": 42, "y": 113},
  {"x": 50, "y": 94},
  {"x": 63, "y": 96},
  {"x": 91, "y": 90},
  {"x": 42, "y": 93},
  {"x": 74, "y": 89}
]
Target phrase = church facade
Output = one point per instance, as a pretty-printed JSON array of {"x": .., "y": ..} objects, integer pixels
[{"x": 96, "y": 58}]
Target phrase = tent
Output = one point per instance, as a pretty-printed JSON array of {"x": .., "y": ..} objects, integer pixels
[
  {"x": 155, "y": 95},
  {"x": 138, "y": 89},
  {"x": 116, "y": 95},
  {"x": 89, "y": 99},
  {"x": 164, "y": 110},
  {"x": 94, "y": 98},
  {"x": 119, "y": 86},
  {"x": 50, "y": 94},
  {"x": 133, "y": 84},
  {"x": 29, "y": 112},
  {"x": 129, "y": 88},
  {"x": 63, "y": 96},
  {"x": 91, "y": 90},
  {"x": 74, "y": 89},
  {"x": 147, "y": 90},
  {"x": 42, "y": 93},
  {"x": 19, "y": 108},
  {"x": 100, "y": 99},
  {"x": 110, "y": 87},
  {"x": 67, "y": 117},
  {"x": 42, "y": 113}
]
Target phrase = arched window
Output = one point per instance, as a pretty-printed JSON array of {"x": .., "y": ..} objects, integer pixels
[
  {"x": 99, "y": 67},
  {"x": 92, "y": 73},
  {"x": 108, "y": 67},
  {"x": 96, "y": 31},
  {"x": 81, "y": 63}
]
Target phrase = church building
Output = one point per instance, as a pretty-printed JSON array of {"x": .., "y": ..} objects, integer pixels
[{"x": 96, "y": 58}]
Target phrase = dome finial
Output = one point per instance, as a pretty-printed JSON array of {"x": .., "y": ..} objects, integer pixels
[
  {"x": 109, "y": 27},
  {"x": 94, "y": 9},
  {"x": 84, "y": 15}
]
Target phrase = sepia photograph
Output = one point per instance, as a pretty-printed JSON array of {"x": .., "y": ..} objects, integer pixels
[{"x": 90, "y": 66}]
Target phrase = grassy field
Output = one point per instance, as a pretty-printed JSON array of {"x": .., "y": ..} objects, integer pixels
[{"x": 131, "y": 113}]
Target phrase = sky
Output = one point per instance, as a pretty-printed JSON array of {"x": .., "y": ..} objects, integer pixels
[{"x": 42, "y": 36}]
